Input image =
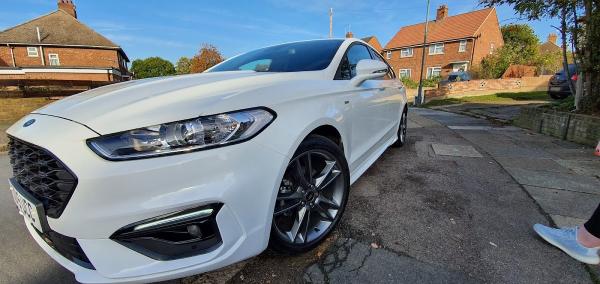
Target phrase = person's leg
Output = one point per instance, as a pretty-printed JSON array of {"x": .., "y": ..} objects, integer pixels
[{"x": 588, "y": 235}]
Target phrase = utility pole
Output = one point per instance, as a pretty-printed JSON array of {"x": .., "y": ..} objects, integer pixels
[
  {"x": 420, "y": 99},
  {"x": 330, "y": 22}
]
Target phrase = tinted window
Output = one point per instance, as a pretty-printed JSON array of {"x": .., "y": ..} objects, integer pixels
[
  {"x": 289, "y": 57},
  {"x": 355, "y": 53}
]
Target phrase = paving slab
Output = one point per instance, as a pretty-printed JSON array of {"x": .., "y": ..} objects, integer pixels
[
  {"x": 564, "y": 181},
  {"x": 455, "y": 150},
  {"x": 547, "y": 165},
  {"x": 567, "y": 222},
  {"x": 582, "y": 167},
  {"x": 573, "y": 154},
  {"x": 564, "y": 203},
  {"x": 356, "y": 262},
  {"x": 423, "y": 121}
]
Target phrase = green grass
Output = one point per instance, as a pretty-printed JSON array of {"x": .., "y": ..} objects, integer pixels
[
  {"x": 567, "y": 104},
  {"x": 499, "y": 98}
]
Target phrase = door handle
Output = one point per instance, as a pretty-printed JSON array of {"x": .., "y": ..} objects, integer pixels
[{"x": 346, "y": 102}]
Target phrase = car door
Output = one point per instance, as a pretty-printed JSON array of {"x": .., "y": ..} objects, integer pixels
[
  {"x": 393, "y": 99},
  {"x": 367, "y": 110}
]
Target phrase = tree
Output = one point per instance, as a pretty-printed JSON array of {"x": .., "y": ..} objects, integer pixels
[
  {"x": 522, "y": 40},
  {"x": 521, "y": 46},
  {"x": 207, "y": 57},
  {"x": 183, "y": 65},
  {"x": 584, "y": 33},
  {"x": 152, "y": 67}
]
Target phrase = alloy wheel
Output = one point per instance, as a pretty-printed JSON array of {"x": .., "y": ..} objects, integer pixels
[{"x": 310, "y": 197}]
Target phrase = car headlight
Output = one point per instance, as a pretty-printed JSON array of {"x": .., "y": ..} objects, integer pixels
[{"x": 183, "y": 136}]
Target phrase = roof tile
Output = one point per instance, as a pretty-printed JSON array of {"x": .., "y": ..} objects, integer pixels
[
  {"x": 57, "y": 28},
  {"x": 453, "y": 27}
]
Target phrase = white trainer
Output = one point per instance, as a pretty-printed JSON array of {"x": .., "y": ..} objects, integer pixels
[{"x": 566, "y": 240}]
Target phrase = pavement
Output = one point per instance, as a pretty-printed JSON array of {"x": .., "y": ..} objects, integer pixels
[{"x": 455, "y": 205}]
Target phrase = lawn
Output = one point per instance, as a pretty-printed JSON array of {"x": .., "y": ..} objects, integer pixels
[{"x": 498, "y": 98}]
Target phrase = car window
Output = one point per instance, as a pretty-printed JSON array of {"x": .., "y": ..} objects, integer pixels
[
  {"x": 355, "y": 53},
  {"x": 290, "y": 57},
  {"x": 390, "y": 74},
  {"x": 260, "y": 65}
]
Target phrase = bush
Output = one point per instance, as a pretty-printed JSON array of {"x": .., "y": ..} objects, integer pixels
[
  {"x": 430, "y": 82},
  {"x": 410, "y": 84}
]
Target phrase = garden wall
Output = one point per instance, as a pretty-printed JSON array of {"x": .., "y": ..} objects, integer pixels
[
  {"x": 583, "y": 129},
  {"x": 486, "y": 87}
]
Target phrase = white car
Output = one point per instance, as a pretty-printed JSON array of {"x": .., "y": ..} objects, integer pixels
[{"x": 163, "y": 178}]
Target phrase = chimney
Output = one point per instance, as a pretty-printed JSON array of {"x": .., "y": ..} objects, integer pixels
[
  {"x": 349, "y": 34},
  {"x": 552, "y": 38},
  {"x": 67, "y": 6},
  {"x": 442, "y": 12}
]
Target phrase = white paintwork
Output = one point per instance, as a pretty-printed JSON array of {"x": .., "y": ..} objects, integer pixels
[
  {"x": 368, "y": 69},
  {"x": 110, "y": 195}
]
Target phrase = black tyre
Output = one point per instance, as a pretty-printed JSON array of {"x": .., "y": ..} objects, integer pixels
[
  {"x": 311, "y": 198},
  {"x": 402, "y": 131}
]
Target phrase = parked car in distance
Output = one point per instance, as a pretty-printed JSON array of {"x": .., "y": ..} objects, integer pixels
[
  {"x": 558, "y": 86},
  {"x": 163, "y": 178},
  {"x": 457, "y": 77}
]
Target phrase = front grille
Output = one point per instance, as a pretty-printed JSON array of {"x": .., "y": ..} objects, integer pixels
[
  {"x": 42, "y": 175},
  {"x": 67, "y": 247}
]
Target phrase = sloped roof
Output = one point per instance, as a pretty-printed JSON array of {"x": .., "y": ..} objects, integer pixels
[
  {"x": 452, "y": 27},
  {"x": 367, "y": 39},
  {"x": 56, "y": 28},
  {"x": 549, "y": 47},
  {"x": 372, "y": 40}
]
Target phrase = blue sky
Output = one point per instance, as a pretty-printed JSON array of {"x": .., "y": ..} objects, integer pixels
[{"x": 175, "y": 28}]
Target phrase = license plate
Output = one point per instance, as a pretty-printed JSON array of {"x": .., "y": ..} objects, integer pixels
[
  {"x": 28, "y": 206},
  {"x": 555, "y": 89}
]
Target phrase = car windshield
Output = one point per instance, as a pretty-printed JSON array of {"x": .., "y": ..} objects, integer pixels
[{"x": 289, "y": 57}]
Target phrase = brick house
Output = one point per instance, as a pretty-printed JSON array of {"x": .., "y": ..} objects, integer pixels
[
  {"x": 372, "y": 40},
  {"x": 550, "y": 45},
  {"x": 453, "y": 43},
  {"x": 57, "y": 50}
]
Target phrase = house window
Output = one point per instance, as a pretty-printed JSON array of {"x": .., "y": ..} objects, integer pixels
[
  {"x": 388, "y": 55},
  {"x": 462, "y": 46},
  {"x": 437, "y": 48},
  {"x": 405, "y": 73},
  {"x": 434, "y": 72},
  {"x": 32, "y": 51},
  {"x": 406, "y": 52},
  {"x": 53, "y": 59}
]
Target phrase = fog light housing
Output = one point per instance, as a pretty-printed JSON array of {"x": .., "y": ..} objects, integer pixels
[{"x": 176, "y": 235}]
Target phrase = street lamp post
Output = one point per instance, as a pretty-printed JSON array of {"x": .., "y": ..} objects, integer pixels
[{"x": 420, "y": 96}]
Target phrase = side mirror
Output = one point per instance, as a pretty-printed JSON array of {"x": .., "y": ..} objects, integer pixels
[{"x": 368, "y": 69}]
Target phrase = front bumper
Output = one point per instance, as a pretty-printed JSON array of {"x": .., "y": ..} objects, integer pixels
[{"x": 111, "y": 195}]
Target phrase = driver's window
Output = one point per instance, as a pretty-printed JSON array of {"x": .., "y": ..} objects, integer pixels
[{"x": 355, "y": 53}]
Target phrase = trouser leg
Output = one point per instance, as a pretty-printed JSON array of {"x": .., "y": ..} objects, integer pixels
[{"x": 593, "y": 224}]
